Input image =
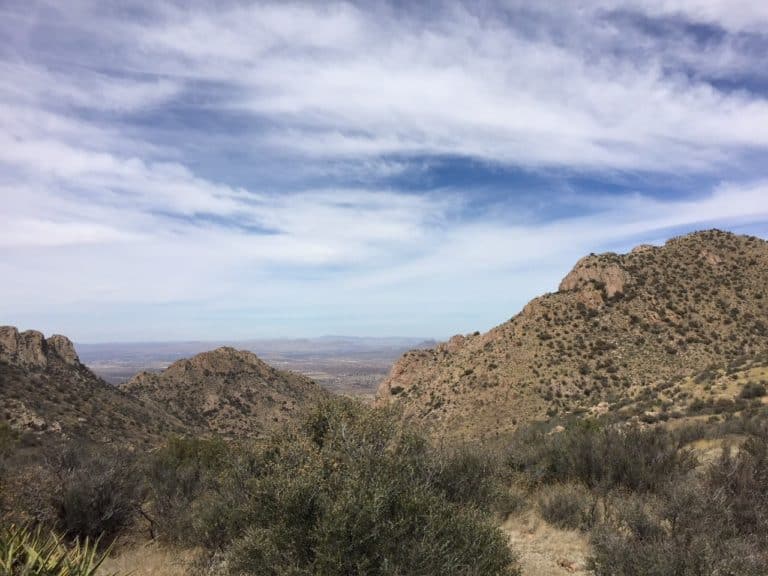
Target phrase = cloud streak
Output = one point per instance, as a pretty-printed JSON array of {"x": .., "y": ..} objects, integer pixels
[{"x": 303, "y": 168}]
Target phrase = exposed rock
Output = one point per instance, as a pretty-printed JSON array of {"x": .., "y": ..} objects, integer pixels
[
  {"x": 592, "y": 270},
  {"x": 45, "y": 389},
  {"x": 64, "y": 349},
  {"x": 32, "y": 350},
  {"x": 23, "y": 348}
]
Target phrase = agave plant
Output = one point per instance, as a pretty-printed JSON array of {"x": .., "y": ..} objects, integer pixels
[{"x": 24, "y": 552}]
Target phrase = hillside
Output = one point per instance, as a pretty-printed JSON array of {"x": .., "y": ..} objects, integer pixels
[
  {"x": 618, "y": 326},
  {"x": 227, "y": 391},
  {"x": 47, "y": 393}
]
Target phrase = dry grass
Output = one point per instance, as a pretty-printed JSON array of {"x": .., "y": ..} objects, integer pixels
[
  {"x": 150, "y": 560},
  {"x": 544, "y": 549}
]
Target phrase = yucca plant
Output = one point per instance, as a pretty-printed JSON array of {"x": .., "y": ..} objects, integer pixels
[{"x": 25, "y": 552}]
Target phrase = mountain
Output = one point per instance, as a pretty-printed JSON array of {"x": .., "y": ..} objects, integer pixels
[
  {"x": 46, "y": 392},
  {"x": 618, "y": 326},
  {"x": 227, "y": 391}
]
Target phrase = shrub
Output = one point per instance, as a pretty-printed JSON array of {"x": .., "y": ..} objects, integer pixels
[
  {"x": 178, "y": 476},
  {"x": 600, "y": 457},
  {"x": 752, "y": 390},
  {"x": 469, "y": 475},
  {"x": 568, "y": 506},
  {"x": 715, "y": 524},
  {"x": 97, "y": 493},
  {"x": 353, "y": 492}
]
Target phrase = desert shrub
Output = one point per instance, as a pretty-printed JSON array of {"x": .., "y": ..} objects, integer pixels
[
  {"x": 97, "y": 493},
  {"x": 715, "y": 523},
  {"x": 740, "y": 484},
  {"x": 8, "y": 441},
  {"x": 600, "y": 457},
  {"x": 469, "y": 474},
  {"x": 568, "y": 506},
  {"x": 353, "y": 492},
  {"x": 752, "y": 390},
  {"x": 178, "y": 477},
  {"x": 32, "y": 553}
]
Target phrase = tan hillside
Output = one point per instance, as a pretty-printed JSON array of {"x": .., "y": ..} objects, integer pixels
[
  {"x": 227, "y": 391},
  {"x": 619, "y": 325},
  {"x": 46, "y": 393}
]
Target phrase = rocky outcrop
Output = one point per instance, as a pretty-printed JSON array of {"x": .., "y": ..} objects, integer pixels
[
  {"x": 597, "y": 272},
  {"x": 63, "y": 348},
  {"x": 31, "y": 349}
]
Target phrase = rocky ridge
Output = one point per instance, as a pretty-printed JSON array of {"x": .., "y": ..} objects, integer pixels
[
  {"x": 227, "y": 391},
  {"x": 31, "y": 349},
  {"x": 617, "y": 325},
  {"x": 47, "y": 393}
]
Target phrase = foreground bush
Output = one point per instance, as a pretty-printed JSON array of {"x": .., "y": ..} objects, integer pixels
[
  {"x": 705, "y": 526},
  {"x": 26, "y": 553},
  {"x": 179, "y": 476},
  {"x": 349, "y": 493},
  {"x": 601, "y": 457},
  {"x": 97, "y": 492}
]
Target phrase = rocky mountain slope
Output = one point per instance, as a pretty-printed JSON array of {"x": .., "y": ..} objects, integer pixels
[
  {"x": 618, "y": 326},
  {"x": 47, "y": 393},
  {"x": 227, "y": 391}
]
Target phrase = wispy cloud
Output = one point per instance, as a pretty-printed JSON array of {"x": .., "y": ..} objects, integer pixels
[{"x": 302, "y": 163}]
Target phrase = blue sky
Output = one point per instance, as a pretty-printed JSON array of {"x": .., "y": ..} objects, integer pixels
[{"x": 206, "y": 170}]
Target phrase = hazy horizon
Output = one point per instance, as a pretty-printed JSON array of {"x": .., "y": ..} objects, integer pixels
[{"x": 224, "y": 171}]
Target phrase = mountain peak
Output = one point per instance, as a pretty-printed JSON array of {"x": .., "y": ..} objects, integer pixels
[
  {"x": 31, "y": 349},
  {"x": 227, "y": 391},
  {"x": 619, "y": 323}
]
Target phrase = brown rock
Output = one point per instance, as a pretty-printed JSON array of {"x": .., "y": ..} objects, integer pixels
[
  {"x": 63, "y": 348},
  {"x": 592, "y": 270},
  {"x": 23, "y": 348}
]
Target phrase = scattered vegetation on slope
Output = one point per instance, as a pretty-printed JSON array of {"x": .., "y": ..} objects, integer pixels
[{"x": 618, "y": 326}]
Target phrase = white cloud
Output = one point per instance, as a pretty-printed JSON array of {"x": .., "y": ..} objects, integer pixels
[
  {"x": 458, "y": 84},
  {"x": 102, "y": 197}
]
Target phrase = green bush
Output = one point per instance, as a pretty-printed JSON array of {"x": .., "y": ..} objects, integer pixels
[
  {"x": 470, "y": 475},
  {"x": 97, "y": 494},
  {"x": 709, "y": 525},
  {"x": 352, "y": 492},
  {"x": 179, "y": 477},
  {"x": 752, "y": 390},
  {"x": 600, "y": 457}
]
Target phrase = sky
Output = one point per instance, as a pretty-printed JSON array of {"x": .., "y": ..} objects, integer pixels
[{"x": 228, "y": 170}]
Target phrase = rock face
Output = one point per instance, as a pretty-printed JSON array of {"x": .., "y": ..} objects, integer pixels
[
  {"x": 618, "y": 324},
  {"x": 598, "y": 272},
  {"x": 31, "y": 349},
  {"x": 64, "y": 349},
  {"x": 227, "y": 391}
]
